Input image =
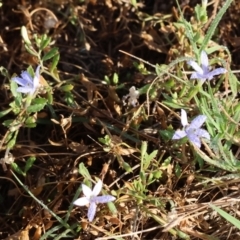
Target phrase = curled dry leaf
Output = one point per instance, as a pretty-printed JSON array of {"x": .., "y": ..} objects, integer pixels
[
  {"x": 20, "y": 235},
  {"x": 90, "y": 86}
]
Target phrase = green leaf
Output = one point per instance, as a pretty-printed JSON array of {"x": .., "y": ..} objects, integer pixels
[
  {"x": 12, "y": 142},
  {"x": 214, "y": 24},
  {"x": 50, "y": 54},
  {"x": 31, "y": 50},
  {"x": 112, "y": 207},
  {"x": 17, "y": 169},
  {"x": 4, "y": 72},
  {"x": 30, "y": 120},
  {"x": 107, "y": 80},
  {"x": 16, "y": 105},
  {"x": 29, "y": 163},
  {"x": 115, "y": 78},
  {"x": 106, "y": 140},
  {"x": 233, "y": 83},
  {"x": 143, "y": 149},
  {"x": 172, "y": 104},
  {"x": 25, "y": 37},
  {"x": 50, "y": 97},
  {"x": 55, "y": 61},
  {"x": 227, "y": 216},
  {"x": 157, "y": 174},
  {"x": 9, "y": 136},
  {"x": 127, "y": 167},
  {"x": 178, "y": 170},
  {"x": 67, "y": 87},
  {"x": 5, "y": 112},
  {"x": 37, "y": 105},
  {"x": 44, "y": 41},
  {"x": 30, "y": 125},
  {"x": 83, "y": 171},
  {"x": 13, "y": 88},
  {"x": 148, "y": 158},
  {"x": 166, "y": 135},
  {"x": 31, "y": 71},
  {"x": 8, "y": 122}
]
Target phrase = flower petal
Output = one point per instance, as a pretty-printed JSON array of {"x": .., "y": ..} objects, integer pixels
[
  {"x": 198, "y": 76},
  {"x": 91, "y": 211},
  {"x": 103, "y": 199},
  {"x": 202, "y": 133},
  {"x": 20, "y": 81},
  {"x": 97, "y": 188},
  {"x": 81, "y": 201},
  {"x": 197, "y": 122},
  {"x": 179, "y": 134},
  {"x": 36, "y": 78},
  {"x": 216, "y": 71},
  {"x": 195, "y": 66},
  {"x": 184, "y": 120},
  {"x": 204, "y": 62},
  {"x": 193, "y": 138},
  {"x": 24, "y": 89},
  {"x": 87, "y": 191},
  {"x": 27, "y": 77}
]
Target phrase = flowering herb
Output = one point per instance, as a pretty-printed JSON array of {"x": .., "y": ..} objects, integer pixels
[
  {"x": 28, "y": 84},
  {"x": 132, "y": 97},
  {"x": 203, "y": 73},
  {"x": 92, "y": 199},
  {"x": 192, "y": 131}
]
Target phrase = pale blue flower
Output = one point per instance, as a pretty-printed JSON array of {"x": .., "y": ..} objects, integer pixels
[
  {"x": 28, "y": 84},
  {"x": 203, "y": 73},
  {"x": 192, "y": 131},
  {"x": 92, "y": 199}
]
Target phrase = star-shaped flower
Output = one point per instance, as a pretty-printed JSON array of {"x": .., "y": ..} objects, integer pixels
[
  {"x": 203, "y": 73},
  {"x": 132, "y": 97},
  {"x": 28, "y": 84},
  {"x": 92, "y": 199},
  {"x": 192, "y": 131}
]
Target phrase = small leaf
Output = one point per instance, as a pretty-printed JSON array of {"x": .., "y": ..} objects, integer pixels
[
  {"x": 143, "y": 149},
  {"x": 17, "y": 169},
  {"x": 29, "y": 163},
  {"x": 178, "y": 170},
  {"x": 30, "y": 120},
  {"x": 4, "y": 71},
  {"x": 127, "y": 167},
  {"x": 50, "y": 54},
  {"x": 66, "y": 88},
  {"x": 157, "y": 174},
  {"x": 233, "y": 83},
  {"x": 31, "y": 50},
  {"x": 44, "y": 41},
  {"x": 55, "y": 61},
  {"x": 115, "y": 78},
  {"x": 13, "y": 88},
  {"x": 30, "y": 125},
  {"x": 12, "y": 142},
  {"x": 5, "y": 112},
  {"x": 8, "y": 122},
  {"x": 148, "y": 158},
  {"x": 16, "y": 105},
  {"x": 112, "y": 207},
  {"x": 24, "y": 34},
  {"x": 84, "y": 171},
  {"x": 37, "y": 105}
]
